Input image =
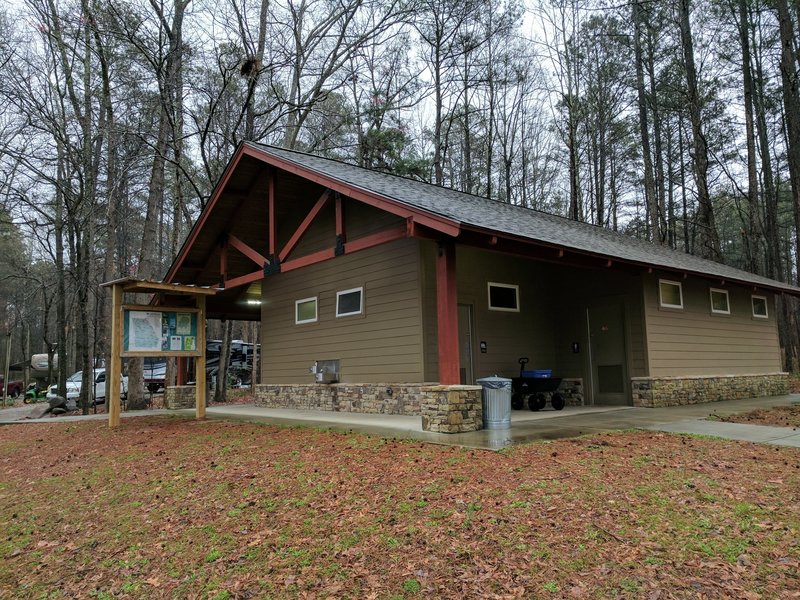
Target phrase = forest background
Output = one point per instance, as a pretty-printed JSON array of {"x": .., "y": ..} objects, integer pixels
[{"x": 674, "y": 121}]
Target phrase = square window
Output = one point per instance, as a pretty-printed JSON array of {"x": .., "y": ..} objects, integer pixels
[
  {"x": 760, "y": 307},
  {"x": 719, "y": 302},
  {"x": 670, "y": 294},
  {"x": 503, "y": 296},
  {"x": 305, "y": 311},
  {"x": 350, "y": 302}
]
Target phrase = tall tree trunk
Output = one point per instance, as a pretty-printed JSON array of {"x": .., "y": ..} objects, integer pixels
[
  {"x": 220, "y": 391},
  {"x": 707, "y": 241},
  {"x": 657, "y": 136},
  {"x": 791, "y": 103},
  {"x": 751, "y": 237},
  {"x": 688, "y": 242},
  {"x": 170, "y": 84},
  {"x": 61, "y": 287},
  {"x": 649, "y": 185},
  {"x": 772, "y": 237}
]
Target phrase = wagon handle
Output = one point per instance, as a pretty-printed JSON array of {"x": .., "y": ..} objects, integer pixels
[{"x": 522, "y": 362}]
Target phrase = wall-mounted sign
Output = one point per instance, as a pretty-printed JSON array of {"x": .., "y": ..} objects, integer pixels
[{"x": 149, "y": 331}]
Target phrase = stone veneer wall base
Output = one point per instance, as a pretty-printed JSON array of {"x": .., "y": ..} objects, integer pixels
[
  {"x": 652, "y": 392},
  {"x": 444, "y": 409},
  {"x": 179, "y": 396}
]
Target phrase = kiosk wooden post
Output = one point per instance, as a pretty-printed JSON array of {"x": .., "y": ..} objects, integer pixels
[
  {"x": 200, "y": 361},
  {"x": 114, "y": 374}
]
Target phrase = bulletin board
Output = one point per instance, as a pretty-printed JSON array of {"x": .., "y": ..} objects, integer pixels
[{"x": 156, "y": 331}]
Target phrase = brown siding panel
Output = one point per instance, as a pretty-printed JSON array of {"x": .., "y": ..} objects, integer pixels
[
  {"x": 383, "y": 345},
  {"x": 693, "y": 341}
]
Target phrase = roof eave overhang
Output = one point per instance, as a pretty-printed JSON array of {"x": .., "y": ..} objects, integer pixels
[{"x": 606, "y": 260}]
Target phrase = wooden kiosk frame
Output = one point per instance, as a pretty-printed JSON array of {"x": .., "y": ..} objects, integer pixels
[{"x": 162, "y": 291}]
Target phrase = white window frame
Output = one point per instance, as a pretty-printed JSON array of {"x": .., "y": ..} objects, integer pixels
[
  {"x": 711, "y": 292},
  {"x": 753, "y": 305},
  {"x": 510, "y": 286},
  {"x": 297, "y": 304},
  {"x": 661, "y": 302},
  {"x": 360, "y": 310}
]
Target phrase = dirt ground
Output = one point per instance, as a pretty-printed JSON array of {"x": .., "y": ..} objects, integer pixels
[{"x": 175, "y": 508}]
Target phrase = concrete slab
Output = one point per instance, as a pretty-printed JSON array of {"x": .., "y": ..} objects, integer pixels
[
  {"x": 733, "y": 431},
  {"x": 526, "y": 426}
]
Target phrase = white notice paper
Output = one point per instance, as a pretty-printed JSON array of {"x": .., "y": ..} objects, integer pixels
[{"x": 175, "y": 342}]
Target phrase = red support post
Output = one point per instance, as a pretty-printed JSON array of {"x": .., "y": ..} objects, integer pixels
[
  {"x": 180, "y": 376},
  {"x": 447, "y": 314},
  {"x": 273, "y": 226},
  {"x": 223, "y": 263},
  {"x": 339, "y": 218}
]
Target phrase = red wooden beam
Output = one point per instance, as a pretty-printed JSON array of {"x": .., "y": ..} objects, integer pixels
[
  {"x": 287, "y": 249},
  {"x": 308, "y": 259},
  {"x": 362, "y": 243},
  {"x": 247, "y": 250},
  {"x": 244, "y": 279},
  {"x": 368, "y": 241},
  {"x": 447, "y": 314},
  {"x": 272, "y": 225}
]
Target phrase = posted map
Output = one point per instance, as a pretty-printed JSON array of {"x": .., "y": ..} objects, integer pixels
[{"x": 144, "y": 331}]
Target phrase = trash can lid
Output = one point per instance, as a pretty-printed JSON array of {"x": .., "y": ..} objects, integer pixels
[{"x": 495, "y": 382}]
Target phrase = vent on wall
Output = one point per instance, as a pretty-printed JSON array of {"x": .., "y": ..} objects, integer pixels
[{"x": 325, "y": 371}]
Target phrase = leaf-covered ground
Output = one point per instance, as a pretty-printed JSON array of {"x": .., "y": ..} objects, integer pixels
[
  {"x": 778, "y": 416},
  {"x": 167, "y": 507}
]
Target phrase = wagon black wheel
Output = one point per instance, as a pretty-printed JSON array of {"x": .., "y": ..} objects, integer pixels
[
  {"x": 536, "y": 402},
  {"x": 557, "y": 401},
  {"x": 517, "y": 401}
]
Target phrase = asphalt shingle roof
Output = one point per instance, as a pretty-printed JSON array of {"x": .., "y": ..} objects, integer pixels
[{"x": 521, "y": 222}]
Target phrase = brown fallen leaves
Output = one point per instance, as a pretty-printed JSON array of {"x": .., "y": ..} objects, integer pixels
[
  {"x": 779, "y": 416},
  {"x": 166, "y": 507}
]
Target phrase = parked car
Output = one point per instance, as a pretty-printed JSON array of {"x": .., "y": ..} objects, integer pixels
[
  {"x": 98, "y": 391},
  {"x": 15, "y": 387}
]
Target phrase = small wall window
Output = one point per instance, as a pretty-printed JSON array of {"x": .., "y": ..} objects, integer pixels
[
  {"x": 350, "y": 302},
  {"x": 719, "y": 302},
  {"x": 305, "y": 311},
  {"x": 670, "y": 294},
  {"x": 503, "y": 296},
  {"x": 760, "y": 307}
]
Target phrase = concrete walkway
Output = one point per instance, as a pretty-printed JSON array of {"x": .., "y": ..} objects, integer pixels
[
  {"x": 529, "y": 426},
  {"x": 526, "y": 426}
]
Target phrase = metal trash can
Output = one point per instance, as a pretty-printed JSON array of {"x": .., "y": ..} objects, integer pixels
[{"x": 496, "y": 402}]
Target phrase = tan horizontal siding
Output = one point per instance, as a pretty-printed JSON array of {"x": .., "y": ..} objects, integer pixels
[
  {"x": 694, "y": 341},
  {"x": 382, "y": 345}
]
